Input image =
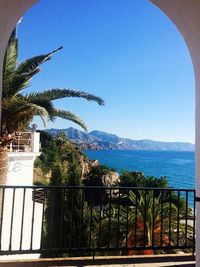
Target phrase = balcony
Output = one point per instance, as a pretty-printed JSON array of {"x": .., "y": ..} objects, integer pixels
[
  {"x": 25, "y": 142},
  {"x": 71, "y": 221}
]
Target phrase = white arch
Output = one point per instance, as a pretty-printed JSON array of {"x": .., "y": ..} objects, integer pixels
[{"x": 184, "y": 14}]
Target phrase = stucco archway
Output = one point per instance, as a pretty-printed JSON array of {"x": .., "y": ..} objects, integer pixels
[{"x": 184, "y": 14}]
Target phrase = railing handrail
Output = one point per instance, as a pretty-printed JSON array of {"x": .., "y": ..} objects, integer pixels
[{"x": 98, "y": 187}]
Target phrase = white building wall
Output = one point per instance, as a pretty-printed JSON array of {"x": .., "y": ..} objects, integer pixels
[
  {"x": 20, "y": 168},
  {"x": 26, "y": 220}
]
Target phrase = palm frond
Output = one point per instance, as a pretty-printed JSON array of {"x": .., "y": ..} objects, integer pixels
[
  {"x": 10, "y": 61},
  {"x": 39, "y": 111},
  {"x": 26, "y": 70},
  {"x": 67, "y": 115},
  {"x": 19, "y": 83},
  {"x": 20, "y": 112},
  {"x": 58, "y": 93},
  {"x": 47, "y": 105},
  {"x": 30, "y": 65}
]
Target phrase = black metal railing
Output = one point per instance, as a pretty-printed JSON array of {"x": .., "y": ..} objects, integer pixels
[{"x": 74, "y": 221}]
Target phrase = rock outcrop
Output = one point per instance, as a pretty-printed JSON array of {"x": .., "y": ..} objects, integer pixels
[
  {"x": 111, "y": 179},
  {"x": 87, "y": 165},
  {"x": 105, "y": 177}
]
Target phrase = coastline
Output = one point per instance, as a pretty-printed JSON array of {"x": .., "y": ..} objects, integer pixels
[{"x": 177, "y": 166}]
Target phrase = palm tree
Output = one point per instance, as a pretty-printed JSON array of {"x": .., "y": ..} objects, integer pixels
[
  {"x": 19, "y": 108},
  {"x": 156, "y": 223},
  {"x": 143, "y": 220}
]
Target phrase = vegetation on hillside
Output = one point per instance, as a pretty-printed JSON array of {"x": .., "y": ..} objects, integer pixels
[
  {"x": 60, "y": 158},
  {"x": 138, "y": 179},
  {"x": 96, "y": 218}
]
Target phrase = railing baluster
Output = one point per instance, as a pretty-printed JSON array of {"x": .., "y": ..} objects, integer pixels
[
  {"x": 100, "y": 211},
  {"x": 109, "y": 220},
  {"x": 22, "y": 223},
  {"x": 161, "y": 219},
  {"x": 72, "y": 220},
  {"x": 52, "y": 217},
  {"x": 75, "y": 193},
  {"x": 194, "y": 221},
  {"x": 2, "y": 213},
  {"x": 12, "y": 216},
  {"x": 81, "y": 219},
  {"x": 186, "y": 218},
  {"x": 127, "y": 219},
  {"x": 136, "y": 208},
  {"x": 153, "y": 218},
  {"x": 170, "y": 215},
  {"x": 178, "y": 218},
  {"x": 61, "y": 219},
  {"x": 145, "y": 217},
  {"x": 118, "y": 220},
  {"x": 32, "y": 220},
  {"x": 91, "y": 218},
  {"x": 43, "y": 218}
]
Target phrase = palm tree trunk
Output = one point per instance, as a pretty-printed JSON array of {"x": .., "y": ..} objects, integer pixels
[
  {"x": 3, "y": 174},
  {"x": 3, "y": 164}
]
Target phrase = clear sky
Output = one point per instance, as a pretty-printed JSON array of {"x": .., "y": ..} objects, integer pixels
[{"x": 126, "y": 51}]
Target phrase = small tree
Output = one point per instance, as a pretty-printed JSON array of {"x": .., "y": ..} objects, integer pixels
[{"x": 66, "y": 210}]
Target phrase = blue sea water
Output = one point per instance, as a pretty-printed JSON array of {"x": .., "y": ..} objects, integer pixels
[{"x": 178, "y": 167}]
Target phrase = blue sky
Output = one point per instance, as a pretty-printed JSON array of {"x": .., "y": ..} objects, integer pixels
[{"x": 126, "y": 51}]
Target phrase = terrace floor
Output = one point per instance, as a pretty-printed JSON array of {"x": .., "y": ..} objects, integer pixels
[{"x": 186, "y": 260}]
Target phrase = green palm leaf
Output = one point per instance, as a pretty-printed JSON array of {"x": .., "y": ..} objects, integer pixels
[
  {"x": 30, "y": 65},
  {"x": 54, "y": 94},
  {"x": 26, "y": 70},
  {"x": 10, "y": 62},
  {"x": 21, "y": 113},
  {"x": 47, "y": 105},
  {"x": 67, "y": 115}
]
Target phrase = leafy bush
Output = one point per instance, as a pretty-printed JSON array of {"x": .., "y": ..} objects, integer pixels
[{"x": 137, "y": 179}]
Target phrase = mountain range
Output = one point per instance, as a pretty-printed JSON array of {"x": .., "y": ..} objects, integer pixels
[{"x": 102, "y": 140}]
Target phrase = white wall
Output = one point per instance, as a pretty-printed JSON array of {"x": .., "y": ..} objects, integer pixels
[
  {"x": 20, "y": 168},
  {"x": 25, "y": 221}
]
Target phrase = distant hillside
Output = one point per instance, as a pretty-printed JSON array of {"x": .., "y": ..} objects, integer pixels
[{"x": 102, "y": 140}]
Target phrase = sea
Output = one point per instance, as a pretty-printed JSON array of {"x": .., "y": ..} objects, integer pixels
[{"x": 177, "y": 166}]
